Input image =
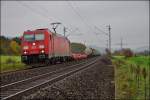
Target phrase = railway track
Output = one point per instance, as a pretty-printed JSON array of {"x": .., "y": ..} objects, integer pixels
[
  {"x": 17, "y": 89},
  {"x": 14, "y": 76}
]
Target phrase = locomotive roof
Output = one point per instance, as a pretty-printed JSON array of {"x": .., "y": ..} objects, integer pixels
[{"x": 46, "y": 29}]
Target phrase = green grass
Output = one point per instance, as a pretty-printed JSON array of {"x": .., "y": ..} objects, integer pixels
[
  {"x": 143, "y": 61},
  {"x": 16, "y": 58},
  {"x": 126, "y": 77},
  {"x": 140, "y": 60},
  {"x": 11, "y": 63}
]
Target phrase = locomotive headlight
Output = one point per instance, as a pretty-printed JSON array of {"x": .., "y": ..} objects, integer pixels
[
  {"x": 25, "y": 52},
  {"x": 42, "y": 51},
  {"x": 25, "y": 47},
  {"x": 33, "y": 43},
  {"x": 41, "y": 46}
]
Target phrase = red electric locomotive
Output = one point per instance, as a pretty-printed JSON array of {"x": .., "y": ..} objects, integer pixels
[{"x": 42, "y": 45}]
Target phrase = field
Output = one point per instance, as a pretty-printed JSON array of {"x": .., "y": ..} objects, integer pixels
[
  {"x": 10, "y": 63},
  {"x": 131, "y": 76}
]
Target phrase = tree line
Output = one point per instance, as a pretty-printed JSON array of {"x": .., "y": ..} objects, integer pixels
[{"x": 10, "y": 46}]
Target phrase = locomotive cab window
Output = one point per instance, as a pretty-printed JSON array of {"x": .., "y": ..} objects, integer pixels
[
  {"x": 39, "y": 36},
  {"x": 29, "y": 37}
]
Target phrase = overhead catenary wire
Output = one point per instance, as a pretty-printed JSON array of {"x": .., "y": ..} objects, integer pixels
[
  {"x": 83, "y": 20},
  {"x": 33, "y": 10},
  {"x": 101, "y": 30},
  {"x": 47, "y": 12},
  {"x": 73, "y": 31},
  {"x": 39, "y": 13},
  {"x": 79, "y": 15},
  {"x": 90, "y": 25},
  {"x": 43, "y": 13},
  {"x": 62, "y": 23},
  {"x": 93, "y": 25}
]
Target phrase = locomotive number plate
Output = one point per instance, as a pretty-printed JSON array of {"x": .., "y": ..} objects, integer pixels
[{"x": 33, "y": 47}]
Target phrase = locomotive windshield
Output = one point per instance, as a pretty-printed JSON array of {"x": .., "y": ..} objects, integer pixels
[
  {"x": 29, "y": 37},
  {"x": 39, "y": 36},
  {"x": 33, "y": 37}
]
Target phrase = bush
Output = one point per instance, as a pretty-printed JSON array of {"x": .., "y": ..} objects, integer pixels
[
  {"x": 127, "y": 53},
  {"x": 9, "y": 60}
]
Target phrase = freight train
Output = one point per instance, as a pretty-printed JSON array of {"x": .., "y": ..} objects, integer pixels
[{"x": 44, "y": 46}]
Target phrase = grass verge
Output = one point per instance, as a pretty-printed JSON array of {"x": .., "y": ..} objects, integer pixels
[
  {"x": 11, "y": 63},
  {"x": 132, "y": 77}
]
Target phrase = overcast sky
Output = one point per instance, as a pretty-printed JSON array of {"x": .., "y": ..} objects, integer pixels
[{"x": 128, "y": 19}]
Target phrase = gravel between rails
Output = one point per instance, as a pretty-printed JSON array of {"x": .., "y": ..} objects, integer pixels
[
  {"x": 7, "y": 78},
  {"x": 96, "y": 83}
]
